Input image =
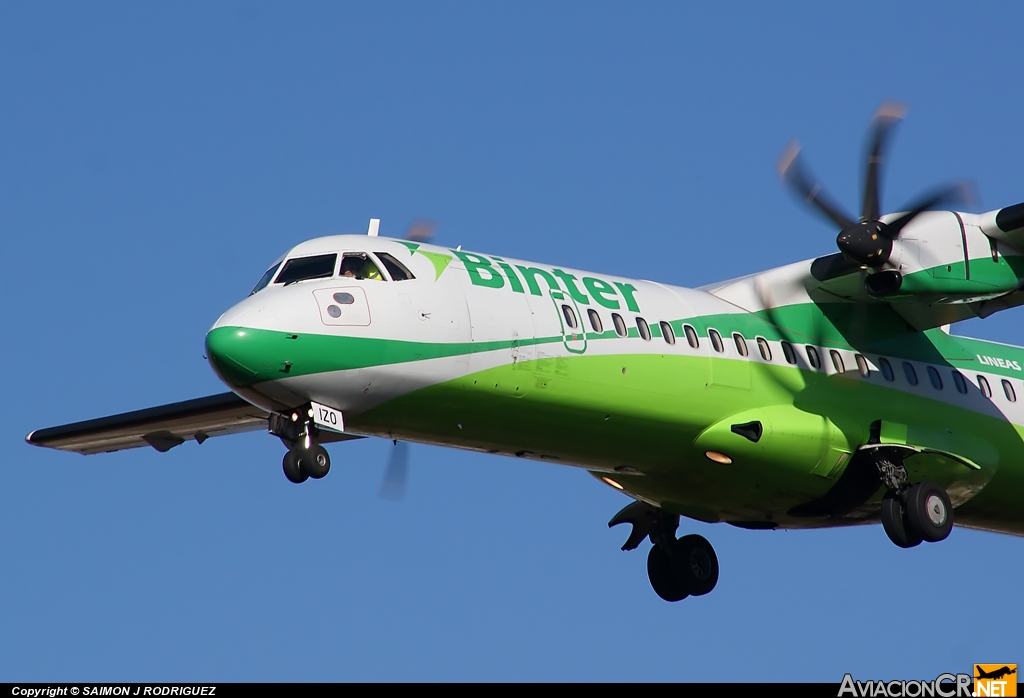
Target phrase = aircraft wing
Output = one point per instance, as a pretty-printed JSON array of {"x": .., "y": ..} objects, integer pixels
[{"x": 162, "y": 427}]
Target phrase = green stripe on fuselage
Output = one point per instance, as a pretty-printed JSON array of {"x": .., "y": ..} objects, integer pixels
[
  {"x": 589, "y": 411},
  {"x": 247, "y": 356}
]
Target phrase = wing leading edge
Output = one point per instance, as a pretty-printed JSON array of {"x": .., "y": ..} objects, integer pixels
[{"x": 162, "y": 427}]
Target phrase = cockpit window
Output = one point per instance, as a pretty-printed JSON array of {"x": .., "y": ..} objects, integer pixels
[
  {"x": 320, "y": 266},
  {"x": 395, "y": 268},
  {"x": 265, "y": 279},
  {"x": 357, "y": 265}
]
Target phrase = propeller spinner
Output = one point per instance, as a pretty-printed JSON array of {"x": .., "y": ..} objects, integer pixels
[{"x": 866, "y": 243}]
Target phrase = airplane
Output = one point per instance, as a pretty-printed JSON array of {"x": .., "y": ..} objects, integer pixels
[
  {"x": 995, "y": 674},
  {"x": 828, "y": 392}
]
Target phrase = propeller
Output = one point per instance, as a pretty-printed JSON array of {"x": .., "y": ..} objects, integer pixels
[
  {"x": 421, "y": 230},
  {"x": 768, "y": 306},
  {"x": 397, "y": 474},
  {"x": 867, "y": 242}
]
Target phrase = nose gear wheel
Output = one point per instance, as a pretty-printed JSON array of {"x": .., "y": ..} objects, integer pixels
[{"x": 293, "y": 469}]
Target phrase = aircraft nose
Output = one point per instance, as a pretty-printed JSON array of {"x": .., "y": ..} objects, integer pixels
[{"x": 234, "y": 354}]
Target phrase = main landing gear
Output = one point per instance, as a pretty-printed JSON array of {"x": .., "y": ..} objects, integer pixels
[
  {"x": 677, "y": 568},
  {"x": 912, "y": 513},
  {"x": 305, "y": 458}
]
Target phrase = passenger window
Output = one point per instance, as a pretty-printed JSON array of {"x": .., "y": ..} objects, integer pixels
[
  {"x": 1008, "y": 391},
  {"x": 837, "y": 361},
  {"x": 764, "y": 348},
  {"x": 344, "y": 298},
  {"x": 789, "y": 353},
  {"x": 397, "y": 270},
  {"x": 356, "y": 265},
  {"x": 667, "y": 333},
  {"x": 570, "y": 317},
  {"x": 887, "y": 371},
  {"x": 595, "y": 320},
  {"x": 320, "y": 266},
  {"x": 862, "y": 365},
  {"x": 691, "y": 336},
  {"x": 813, "y": 358},
  {"x": 645, "y": 331},
  {"x": 959, "y": 382},
  {"x": 620, "y": 324},
  {"x": 716, "y": 341},
  {"x": 741, "y": 344},
  {"x": 910, "y": 372},
  {"x": 985, "y": 389},
  {"x": 935, "y": 378}
]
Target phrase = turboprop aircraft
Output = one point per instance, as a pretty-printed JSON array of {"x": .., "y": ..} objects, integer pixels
[{"x": 824, "y": 393}]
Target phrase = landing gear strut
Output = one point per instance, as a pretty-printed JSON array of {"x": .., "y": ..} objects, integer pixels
[
  {"x": 305, "y": 457},
  {"x": 912, "y": 513},
  {"x": 677, "y": 568}
]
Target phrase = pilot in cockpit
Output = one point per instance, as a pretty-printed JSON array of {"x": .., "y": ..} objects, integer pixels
[{"x": 359, "y": 266}]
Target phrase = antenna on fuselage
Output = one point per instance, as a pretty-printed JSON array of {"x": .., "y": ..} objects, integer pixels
[{"x": 374, "y": 227}]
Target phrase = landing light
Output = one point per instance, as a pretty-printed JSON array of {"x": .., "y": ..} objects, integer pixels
[
  {"x": 718, "y": 457},
  {"x": 612, "y": 483}
]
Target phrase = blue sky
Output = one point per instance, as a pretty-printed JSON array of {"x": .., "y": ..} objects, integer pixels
[{"x": 155, "y": 158}]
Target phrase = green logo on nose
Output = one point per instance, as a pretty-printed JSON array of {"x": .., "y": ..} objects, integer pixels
[{"x": 438, "y": 259}]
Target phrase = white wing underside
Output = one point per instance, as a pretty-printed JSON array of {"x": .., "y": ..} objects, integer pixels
[{"x": 162, "y": 427}]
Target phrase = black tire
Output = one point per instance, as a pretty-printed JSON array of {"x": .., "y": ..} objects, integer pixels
[
  {"x": 929, "y": 512},
  {"x": 315, "y": 461},
  {"x": 664, "y": 575},
  {"x": 895, "y": 523},
  {"x": 696, "y": 563},
  {"x": 293, "y": 468}
]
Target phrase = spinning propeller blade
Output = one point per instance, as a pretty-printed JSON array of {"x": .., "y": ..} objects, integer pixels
[
  {"x": 421, "y": 230},
  {"x": 887, "y": 116},
  {"x": 397, "y": 474},
  {"x": 956, "y": 193},
  {"x": 866, "y": 244},
  {"x": 792, "y": 171}
]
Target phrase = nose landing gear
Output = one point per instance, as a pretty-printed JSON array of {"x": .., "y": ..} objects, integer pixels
[
  {"x": 676, "y": 568},
  {"x": 293, "y": 469},
  {"x": 305, "y": 457},
  {"x": 315, "y": 461},
  {"x": 300, "y": 464}
]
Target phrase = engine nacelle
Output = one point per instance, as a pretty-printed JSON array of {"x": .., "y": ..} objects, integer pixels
[{"x": 950, "y": 257}]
